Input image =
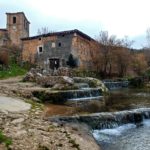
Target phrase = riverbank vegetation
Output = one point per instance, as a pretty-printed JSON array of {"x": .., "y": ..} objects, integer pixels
[
  {"x": 115, "y": 57},
  {"x": 10, "y": 62},
  {"x": 12, "y": 71}
]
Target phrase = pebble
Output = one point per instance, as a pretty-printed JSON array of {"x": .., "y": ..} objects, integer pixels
[{"x": 16, "y": 121}]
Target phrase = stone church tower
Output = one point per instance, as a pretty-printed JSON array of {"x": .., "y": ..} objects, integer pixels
[{"x": 17, "y": 27}]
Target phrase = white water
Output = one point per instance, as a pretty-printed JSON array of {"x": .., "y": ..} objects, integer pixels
[
  {"x": 115, "y": 131},
  {"x": 86, "y": 98},
  {"x": 125, "y": 137}
]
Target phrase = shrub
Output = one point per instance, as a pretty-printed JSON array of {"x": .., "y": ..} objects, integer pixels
[
  {"x": 71, "y": 61},
  {"x": 4, "y": 139}
]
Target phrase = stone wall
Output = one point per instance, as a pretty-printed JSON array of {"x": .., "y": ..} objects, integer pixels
[
  {"x": 58, "y": 47},
  {"x": 30, "y": 49},
  {"x": 17, "y": 29},
  {"x": 81, "y": 48}
]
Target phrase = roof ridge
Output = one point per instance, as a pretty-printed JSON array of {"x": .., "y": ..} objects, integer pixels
[{"x": 60, "y": 33}]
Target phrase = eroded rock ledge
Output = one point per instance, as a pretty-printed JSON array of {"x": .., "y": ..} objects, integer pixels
[{"x": 30, "y": 130}]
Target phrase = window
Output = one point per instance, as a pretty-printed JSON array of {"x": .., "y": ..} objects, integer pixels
[
  {"x": 40, "y": 49},
  {"x": 59, "y": 44},
  {"x": 40, "y": 39},
  {"x": 4, "y": 41},
  {"x": 14, "y": 20},
  {"x": 53, "y": 45}
]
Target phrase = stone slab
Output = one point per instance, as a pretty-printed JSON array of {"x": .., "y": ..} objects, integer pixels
[{"x": 13, "y": 104}]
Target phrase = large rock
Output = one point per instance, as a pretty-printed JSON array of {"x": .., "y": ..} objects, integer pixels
[
  {"x": 13, "y": 104},
  {"x": 50, "y": 81},
  {"x": 92, "y": 82},
  {"x": 35, "y": 75},
  {"x": 32, "y": 75}
]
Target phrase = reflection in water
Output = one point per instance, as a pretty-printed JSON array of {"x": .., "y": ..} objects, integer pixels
[
  {"x": 125, "y": 137},
  {"x": 123, "y": 99},
  {"x": 128, "y": 99}
]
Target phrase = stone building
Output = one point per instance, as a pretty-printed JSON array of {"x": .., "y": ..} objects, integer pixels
[
  {"x": 17, "y": 27},
  {"x": 52, "y": 50},
  {"x": 49, "y": 51}
]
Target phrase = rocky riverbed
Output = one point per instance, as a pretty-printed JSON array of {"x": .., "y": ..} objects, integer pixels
[{"x": 30, "y": 129}]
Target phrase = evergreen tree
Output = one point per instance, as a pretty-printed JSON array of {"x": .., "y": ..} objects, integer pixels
[{"x": 71, "y": 61}]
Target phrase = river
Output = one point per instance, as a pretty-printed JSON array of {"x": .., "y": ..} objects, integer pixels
[
  {"x": 124, "y": 137},
  {"x": 128, "y": 136}
]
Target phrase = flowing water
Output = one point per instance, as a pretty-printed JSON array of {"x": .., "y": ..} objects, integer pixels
[
  {"x": 118, "y": 136},
  {"x": 125, "y": 137},
  {"x": 129, "y": 136}
]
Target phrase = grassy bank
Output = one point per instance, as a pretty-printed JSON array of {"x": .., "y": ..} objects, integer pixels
[{"x": 14, "y": 70}]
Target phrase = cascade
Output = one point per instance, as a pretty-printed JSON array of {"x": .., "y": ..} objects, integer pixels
[
  {"x": 109, "y": 120},
  {"x": 82, "y": 94}
]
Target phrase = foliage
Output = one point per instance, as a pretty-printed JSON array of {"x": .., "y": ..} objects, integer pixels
[
  {"x": 4, "y": 139},
  {"x": 14, "y": 70},
  {"x": 112, "y": 57},
  {"x": 139, "y": 63},
  {"x": 13, "y": 52},
  {"x": 71, "y": 61},
  {"x": 137, "y": 82}
]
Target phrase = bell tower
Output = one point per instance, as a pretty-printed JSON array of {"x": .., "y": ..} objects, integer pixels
[{"x": 17, "y": 27}]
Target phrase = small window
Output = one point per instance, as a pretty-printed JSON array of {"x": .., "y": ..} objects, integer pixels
[
  {"x": 4, "y": 41},
  {"x": 40, "y": 39},
  {"x": 59, "y": 44},
  {"x": 53, "y": 45},
  {"x": 14, "y": 20},
  {"x": 40, "y": 49}
]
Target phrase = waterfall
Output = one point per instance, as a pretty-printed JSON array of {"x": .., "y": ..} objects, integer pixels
[
  {"x": 83, "y": 94},
  {"x": 109, "y": 120}
]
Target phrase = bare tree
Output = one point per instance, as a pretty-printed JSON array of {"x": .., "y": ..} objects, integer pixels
[
  {"x": 43, "y": 30},
  {"x": 107, "y": 50},
  {"x": 113, "y": 55},
  {"x": 148, "y": 37}
]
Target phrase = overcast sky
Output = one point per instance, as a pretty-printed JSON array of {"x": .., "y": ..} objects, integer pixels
[{"x": 119, "y": 17}]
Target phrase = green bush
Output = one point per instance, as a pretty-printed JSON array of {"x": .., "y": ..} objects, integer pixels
[{"x": 136, "y": 82}]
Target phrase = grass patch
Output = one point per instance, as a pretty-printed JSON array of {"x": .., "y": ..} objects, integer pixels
[
  {"x": 35, "y": 105},
  {"x": 13, "y": 71},
  {"x": 4, "y": 139}
]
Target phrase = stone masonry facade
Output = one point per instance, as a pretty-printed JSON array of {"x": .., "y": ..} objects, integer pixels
[
  {"x": 51, "y": 50},
  {"x": 17, "y": 27}
]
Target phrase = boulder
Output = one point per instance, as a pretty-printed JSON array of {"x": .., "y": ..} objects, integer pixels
[
  {"x": 32, "y": 75},
  {"x": 50, "y": 81},
  {"x": 92, "y": 82}
]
